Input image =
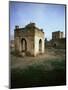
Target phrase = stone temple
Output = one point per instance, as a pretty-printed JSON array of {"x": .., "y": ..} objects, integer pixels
[{"x": 29, "y": 40}]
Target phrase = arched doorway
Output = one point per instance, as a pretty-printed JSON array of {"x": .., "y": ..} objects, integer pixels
[
  {"x": 23, "y": 45},
  {"x": 40, "y": 46},
  {"x": 54, "y": 45}
]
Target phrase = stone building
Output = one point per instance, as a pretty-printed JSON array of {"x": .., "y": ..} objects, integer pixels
[
  {"x": 57, "y": 35},
  {"x": 58, "y": 40},
  {"x": 29, "y": 40}
]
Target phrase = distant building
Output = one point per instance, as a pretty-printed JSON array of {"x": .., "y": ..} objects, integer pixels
[
  {"x": 57, "y": 35},
  {"x": 57, "y": 41},
  {"x": 29, "y": 40}
]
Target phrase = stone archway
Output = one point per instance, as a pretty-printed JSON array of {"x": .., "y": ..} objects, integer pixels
[
  {"x": 23, "y": 45},
  {"x": 40, "y": 46}
]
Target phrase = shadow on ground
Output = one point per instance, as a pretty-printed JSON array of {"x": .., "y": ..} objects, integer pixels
[{"x": 38, "y": 75}]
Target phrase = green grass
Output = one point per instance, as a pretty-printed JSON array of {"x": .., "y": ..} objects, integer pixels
[{"x": 48, "y": 73}]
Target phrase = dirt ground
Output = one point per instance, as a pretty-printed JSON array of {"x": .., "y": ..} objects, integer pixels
[
  {"x": 50, "y": 54},
  {"x": 48, "y": 69}
]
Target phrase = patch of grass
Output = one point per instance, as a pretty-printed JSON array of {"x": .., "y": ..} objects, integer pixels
[{"x": 48, "y": 73}]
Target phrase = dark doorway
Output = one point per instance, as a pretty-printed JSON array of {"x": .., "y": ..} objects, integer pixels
[
  {"x": 40, "y": 46},
  {"x": 54, "y": 45},
  {"x": 23, "y": 45}
]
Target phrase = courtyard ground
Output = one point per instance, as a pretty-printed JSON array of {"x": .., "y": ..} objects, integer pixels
[{"x": 48, "y": 69}]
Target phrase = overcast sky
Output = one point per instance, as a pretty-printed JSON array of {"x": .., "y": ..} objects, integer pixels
[{"x": 49, "y": 17}]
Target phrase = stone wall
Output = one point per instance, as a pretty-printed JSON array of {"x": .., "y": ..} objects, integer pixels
[
  {"x": 39, "y": 36},
  {"x": 59, "y": 43}
]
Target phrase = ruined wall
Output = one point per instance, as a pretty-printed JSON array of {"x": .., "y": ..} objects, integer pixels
[
  {"x": 59, "y": 43},
  {"x": 28, "y": 35},
  {"x": 38, "y": 35}
]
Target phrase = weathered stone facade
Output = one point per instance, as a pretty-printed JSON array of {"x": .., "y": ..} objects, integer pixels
[
  {"x": 57, "y": 35},
  {"x": 57, "y": 41},
  {"x": 29, "y": 40}
]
